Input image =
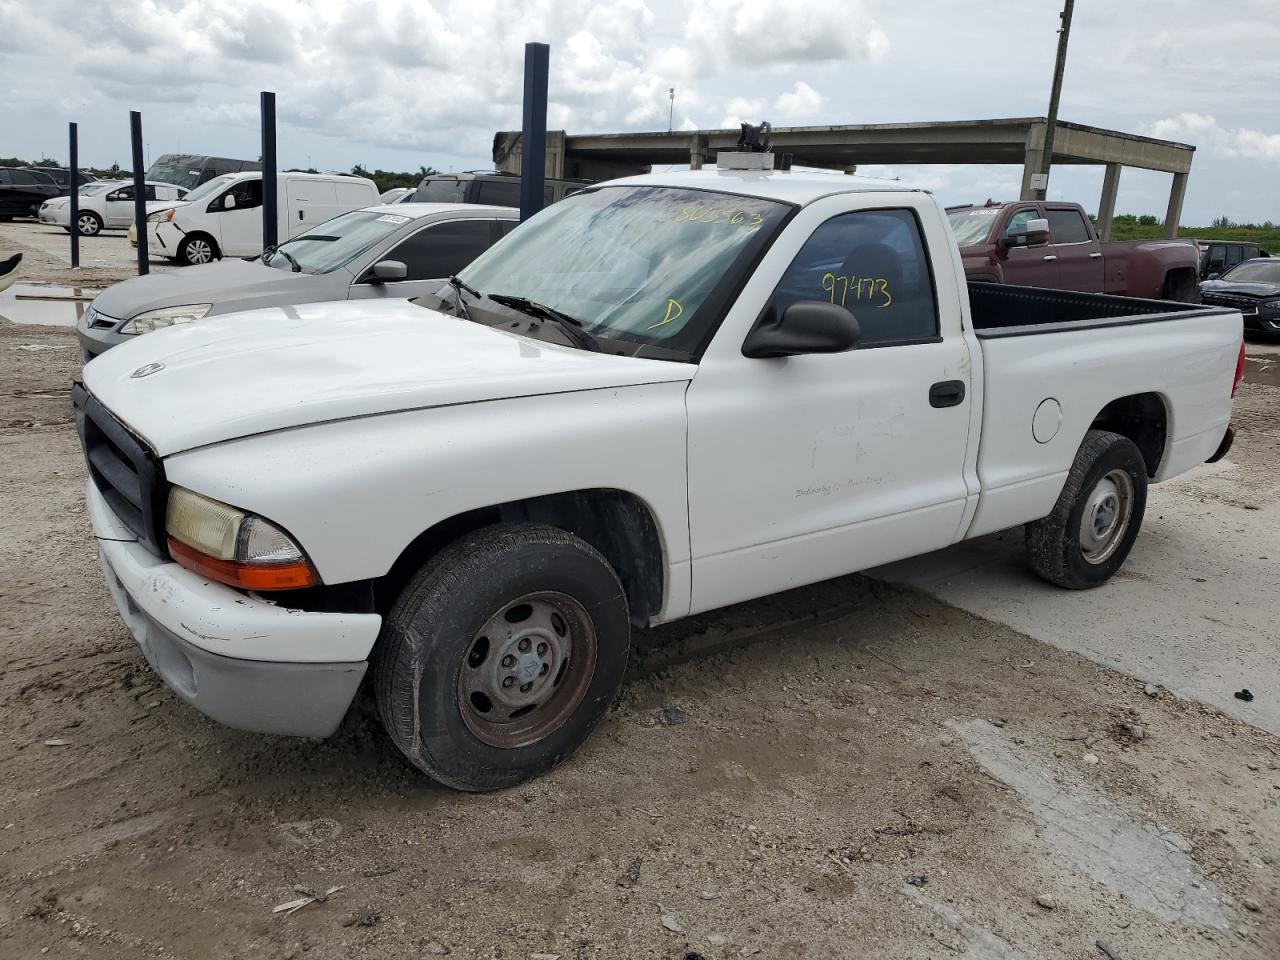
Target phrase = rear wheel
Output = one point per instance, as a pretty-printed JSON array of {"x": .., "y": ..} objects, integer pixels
[
  {"x": 196, "y": 249},
  {"x": 1097, "y": 517},
  {"x": 501, "y": 655}
]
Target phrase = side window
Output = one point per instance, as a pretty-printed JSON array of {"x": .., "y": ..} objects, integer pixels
[
  {"x": 1018, "y": 222},
  {"x": 6, "y": 176},
  {"x": 22, "y": 178},
  {"x": 248, "y": 194},
  {"x": 506, "y": 226},
  {"x": 441, "y": 250},
  {"x": 1235, "y": 253},
  {"x": 1066, "y": 226},
  {"x": 149, "y": 192},
  {"x": 874, "y": 264},
  {"x": 499, "y": 193},
  {"x": 124, "y": 193},
  {"x": 1217, "y": 258}
]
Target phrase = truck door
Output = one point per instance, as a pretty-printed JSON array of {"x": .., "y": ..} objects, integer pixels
[
  {"x": 1079, "y": 253},
  {"x": 803, "y": 468},
  {"x": 1023, "y": 265}
]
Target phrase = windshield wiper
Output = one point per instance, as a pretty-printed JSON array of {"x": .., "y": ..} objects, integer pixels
[
  {"x": 288, "y": 256},
  {"x": 458, "y": 286},
  {"x": 570, "y": 326}
]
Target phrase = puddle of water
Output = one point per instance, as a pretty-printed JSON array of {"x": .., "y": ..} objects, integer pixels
[
  {"x": 982, "y": 943},
  {"x": 1151, "y": 867},
  {"x": 26, "y": 303},
  {"x": 1262, "y": 369}
]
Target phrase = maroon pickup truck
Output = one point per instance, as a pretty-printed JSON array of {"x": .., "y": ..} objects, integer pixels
[{"x": 1035, "y": 244}]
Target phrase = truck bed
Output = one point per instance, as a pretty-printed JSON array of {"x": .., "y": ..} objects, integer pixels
[{"x": 1003, "y": 310}]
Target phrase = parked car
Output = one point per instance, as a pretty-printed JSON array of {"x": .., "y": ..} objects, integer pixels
[
  {"x": 223, "y": 218},
  {"x": 382, "y": 252},
  {"x": 659, "y": 396},
  {"x": 1253, "y": 288},
  {"x": 62, "y": 177},
  {"x": 107, "y": 205},
  {"x": 1054, "y": 245},
  {"x": 1219, "y": 256},
  {"x": 475, "y": 186},
  {"x": 394, "y": 194},
  {"x": 190, "y": 170},
  {"x": 22, "y": 190}
]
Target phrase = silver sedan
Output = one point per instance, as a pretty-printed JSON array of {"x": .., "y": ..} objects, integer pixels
[{"x": 391, "y": 250}]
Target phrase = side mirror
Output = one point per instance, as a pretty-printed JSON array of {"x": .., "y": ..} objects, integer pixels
[
  {"x": 1213, "y": 276},
  {"x": 386, "y": 270},
  {"x": 807, "y": 326},
  {"x": 229, "y": 202},
  {"x": 1037, "y": 232}
]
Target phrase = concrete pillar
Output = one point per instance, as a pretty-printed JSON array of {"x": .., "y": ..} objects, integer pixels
[
  {"x": 697, "y": 152},
  {"x": 1174, "y": 214},
  {"x": 1107, "y": 205},
  {"x": 1031, "y": 160}
]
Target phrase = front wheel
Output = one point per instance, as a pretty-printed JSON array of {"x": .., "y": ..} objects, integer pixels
[
  {"x": 1097, "y": 517},
  {"x": 197, "y": 249},
  {"x": 90, "y": 224},
  {"x": 501, "y": 655}
]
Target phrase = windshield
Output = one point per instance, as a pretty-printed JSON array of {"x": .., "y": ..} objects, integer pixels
[
  {"x": 441, "y": 191},
  {"x": 211, "y": 187},
  {"x": 1257, "y": 271},
  {"x": 182, "y": 174},
  {"x": 93, "y": 189},
  {"x": 632, "y": 263},
  {"x": 972, "y": 224},
  {"x": 336, "y": 242}
]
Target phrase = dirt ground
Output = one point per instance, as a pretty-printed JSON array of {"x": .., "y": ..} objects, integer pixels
[
  {"x": 847, "y": 770},
  {"x": 46, "y": 255}
]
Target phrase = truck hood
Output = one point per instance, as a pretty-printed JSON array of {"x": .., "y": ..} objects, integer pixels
[
  {"x": 248, "y": 373},
  {"x": 226, "y": 284}
]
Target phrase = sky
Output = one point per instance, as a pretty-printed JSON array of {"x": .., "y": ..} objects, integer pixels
[{"x": 395, "y": 84}]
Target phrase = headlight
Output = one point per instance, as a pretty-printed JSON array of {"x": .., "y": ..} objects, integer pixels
[
  {"x": 165, "y": 317},
  {"x": 218, "y": 541},
  {"x": 1273, "y": 304}
]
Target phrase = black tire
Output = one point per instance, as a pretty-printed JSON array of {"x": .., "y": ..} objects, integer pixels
[
  {"x": 1056, "y": 546},
  {"x": 197, "y": 249},
  {"x": 90, "y": 224},
  {"x": 431, "y": 638}
]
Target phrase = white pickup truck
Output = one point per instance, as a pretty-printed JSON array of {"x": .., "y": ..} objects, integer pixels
[{"x": 660, "y": 396}]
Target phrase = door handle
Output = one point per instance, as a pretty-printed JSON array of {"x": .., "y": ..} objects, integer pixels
[
  {"x": 946, "y": 393},
  {"x": 1095, "y": 255},
  {"x": 1050, "y": 256},
  {"x": 299, "y": 214}
]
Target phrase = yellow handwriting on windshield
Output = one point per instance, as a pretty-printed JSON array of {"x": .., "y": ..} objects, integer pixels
[
  {"x": 839, "y": 288},
  {"x": 696, "y": 214},
  {"x": 674, "y": 310}
]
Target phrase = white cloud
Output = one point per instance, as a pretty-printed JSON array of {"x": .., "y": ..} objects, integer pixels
[
  {"x": 802, "y": 101},
  {"x": 754, "y": 33},
  {"x": 1204, "y": 131}
]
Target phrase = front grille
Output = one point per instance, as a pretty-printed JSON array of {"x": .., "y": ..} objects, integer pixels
[
  {"x": 100, "y": 320},
  {"x": 127, "y": 474},
  {"x": 1231, "y": 300}
]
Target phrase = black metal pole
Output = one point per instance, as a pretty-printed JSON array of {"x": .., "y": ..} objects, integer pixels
[
  {"x": 139, "y": 191},
  {"x": 73, "y": 171},
  {"x": 533, "y": 156},
  {"x": 270, "y": 214}
]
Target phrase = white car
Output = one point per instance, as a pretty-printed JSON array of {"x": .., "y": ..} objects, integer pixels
[
  {"x": 223, "y": 217},
  {"x": 108, "y": 205},
  {"x": 659, "y": 396}
]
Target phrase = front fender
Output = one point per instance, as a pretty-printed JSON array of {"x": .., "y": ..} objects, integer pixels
[{"x": 356, "y": 492}]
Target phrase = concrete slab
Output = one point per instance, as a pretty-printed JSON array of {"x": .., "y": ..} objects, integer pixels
[{"x": 1195, "y": 609}]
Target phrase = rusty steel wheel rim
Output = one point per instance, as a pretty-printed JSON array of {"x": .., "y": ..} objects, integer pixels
[
  {"x": 527, "y": 669},
  {"x": 1106, "y": 516}
]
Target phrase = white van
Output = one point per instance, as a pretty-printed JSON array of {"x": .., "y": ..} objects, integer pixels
[{"x": 223, "y": 217}]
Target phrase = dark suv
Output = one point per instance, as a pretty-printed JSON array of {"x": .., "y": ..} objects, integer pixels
[
  {"x": 62, "y": 177},
  {"x": 488, "y": 187},
  {"x": 22, "y": 190}
]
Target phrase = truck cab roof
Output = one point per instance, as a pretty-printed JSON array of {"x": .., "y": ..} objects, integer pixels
[{"x": 789, "y": 187}]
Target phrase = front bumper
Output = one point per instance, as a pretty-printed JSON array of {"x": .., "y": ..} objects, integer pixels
[
  {"x": 97, "y": 336},
  {"x": 1264, "y": 321},
  {"x": 239, "y": 660}
]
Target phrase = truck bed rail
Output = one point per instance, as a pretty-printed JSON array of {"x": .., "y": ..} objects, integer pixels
[{"x": 1002, "y": 310}]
